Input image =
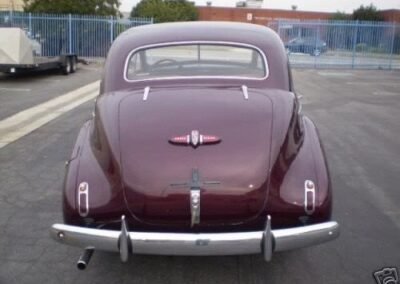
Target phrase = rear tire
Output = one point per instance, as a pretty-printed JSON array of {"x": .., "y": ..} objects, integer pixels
[
  {"x": 316, "y": 52},
  {"x": 66, "y": 68},
  {"x": 73, "y": 64}
]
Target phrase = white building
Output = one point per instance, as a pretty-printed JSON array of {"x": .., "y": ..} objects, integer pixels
[{"x": 12, "y": 5}]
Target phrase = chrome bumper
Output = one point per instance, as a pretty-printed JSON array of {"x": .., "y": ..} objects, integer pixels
[{"x": 265, "y": 242}]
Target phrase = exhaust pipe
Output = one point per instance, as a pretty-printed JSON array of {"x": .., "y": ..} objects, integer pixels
[{"x": 84, "y": 259}]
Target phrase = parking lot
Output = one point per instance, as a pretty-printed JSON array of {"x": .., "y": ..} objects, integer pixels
[
  {"x": 357, "y": 113},
  {"x": 337, "y": 59}
]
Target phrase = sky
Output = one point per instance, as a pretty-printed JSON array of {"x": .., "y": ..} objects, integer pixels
[{"x": 308, "y": 5}]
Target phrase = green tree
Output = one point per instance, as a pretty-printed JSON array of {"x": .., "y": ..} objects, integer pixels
[
  {"x": 89, "y": 7},
  {"x": 340, "y": 16},
  {"x": 166, "y": 10},
  {"x": 367, "y": 13},
  {"x": 339, "y": 36}
]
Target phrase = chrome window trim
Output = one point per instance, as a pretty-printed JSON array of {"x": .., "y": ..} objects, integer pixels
[{"x": 238, "y": 44}]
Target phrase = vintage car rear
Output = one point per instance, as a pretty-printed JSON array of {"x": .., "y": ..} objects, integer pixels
[{"x": 197, "y": 147}]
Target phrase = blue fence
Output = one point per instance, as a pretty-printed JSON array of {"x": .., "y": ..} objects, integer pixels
[
  {"x": 343, "y": 44},
  {"x": 87, "y": 36},
  {"x": 316, "y": 44}
]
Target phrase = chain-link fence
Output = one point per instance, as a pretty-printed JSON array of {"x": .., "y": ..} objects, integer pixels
[
  {"x": 346, "y": 44},
  {"x": 86, "y": 36}
]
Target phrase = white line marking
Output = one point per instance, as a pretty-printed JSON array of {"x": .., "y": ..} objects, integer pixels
[
  {"x": 335, "y": 74},
  {"x": 383, "y": 93},
  {"x": 26, "y": 121},
  {"x": 374, "y": 83},
  {"x": 91, "y": 68},
  {"x": 50, "y": 80},
  {"x": 15, "y": 90},
  {"x": 30, "y": 113}
]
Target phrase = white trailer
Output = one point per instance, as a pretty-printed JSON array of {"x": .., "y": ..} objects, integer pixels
[{"x": 19, "y": 53}]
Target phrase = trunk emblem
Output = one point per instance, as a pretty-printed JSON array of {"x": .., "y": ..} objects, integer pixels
[{"x": 195, "y": 139}]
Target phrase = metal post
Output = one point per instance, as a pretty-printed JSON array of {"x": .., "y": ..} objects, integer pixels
[
  {"x": 354, "y": 44},
  {"x": 392, "y": 45},
  {"x": 316, "y": 45},
  {"x": 70, "y": 33},
  {"x": 111, "y": 29},
  {"x": 11, "y": 18},
  {"x": 279, "y": 28},
  {"x": 30, "y": 25}
]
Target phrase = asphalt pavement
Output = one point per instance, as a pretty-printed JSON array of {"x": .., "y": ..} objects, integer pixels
[
  {"x": 357, "y": 113},
  {"x": 21, "y": 91}
]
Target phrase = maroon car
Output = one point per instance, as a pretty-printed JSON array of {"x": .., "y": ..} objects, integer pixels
[{"x": 197, "y": 147}]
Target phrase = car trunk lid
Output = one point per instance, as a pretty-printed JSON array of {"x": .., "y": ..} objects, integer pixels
[{"x": 232, "y": 175}]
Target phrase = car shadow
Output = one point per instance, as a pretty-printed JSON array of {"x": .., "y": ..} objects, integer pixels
[{"x": 29, "y": 75}]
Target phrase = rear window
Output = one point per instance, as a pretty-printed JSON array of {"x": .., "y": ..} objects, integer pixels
[{"x": 196, "y": 60}]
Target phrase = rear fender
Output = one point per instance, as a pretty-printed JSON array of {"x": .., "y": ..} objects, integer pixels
[
  {"x": 105, "y": 198},
  {"x": 286, "y": 203}
]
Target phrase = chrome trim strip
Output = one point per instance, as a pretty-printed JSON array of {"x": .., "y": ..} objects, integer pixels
[
  {"x": 201, "y": 243},
  {"x": 196, "y": 77},
  {"x": 300, "y": 107},
  {"x": 309, "y": 188},
  {"x": 83, "y": 192},
  {"x": 245, "y": 93},
  {"x": 299, "y": 99},
  {"x": 195, "y": 206},
  {"x": 146, "y": 93}
]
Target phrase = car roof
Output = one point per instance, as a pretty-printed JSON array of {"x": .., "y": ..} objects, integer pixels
[
  {"x": 259, "y": 36},
  {"x": 179, "y": 31}
]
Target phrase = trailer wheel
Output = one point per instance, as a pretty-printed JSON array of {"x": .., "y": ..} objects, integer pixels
[
  {"x": 73, "y": 64},
  {"x": 315, "y": 52},
  {"x": 66, "y": 68}
]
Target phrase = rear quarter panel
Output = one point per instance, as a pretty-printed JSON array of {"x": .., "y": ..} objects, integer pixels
[{"x": 287, "y": 192}]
